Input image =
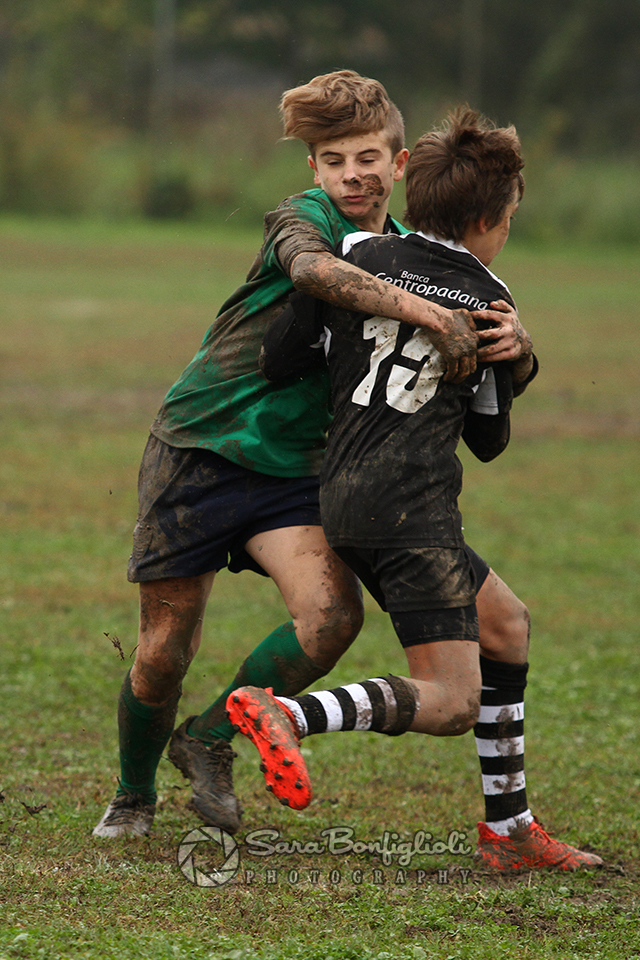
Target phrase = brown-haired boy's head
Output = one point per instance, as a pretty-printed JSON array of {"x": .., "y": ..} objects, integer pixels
[
  {"x": 337, "y": 105},
  {"x": 463, "y": 175}
]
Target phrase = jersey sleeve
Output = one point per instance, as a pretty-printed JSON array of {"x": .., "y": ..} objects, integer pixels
[
  {"x": 294, "y": 342},
  {"x": 299, "y": 225},
  {"x": 487, "y": 422},
  {"x": 486, "y": 436}
]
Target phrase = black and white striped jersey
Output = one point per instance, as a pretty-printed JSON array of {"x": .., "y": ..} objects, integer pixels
[{"x": 391, "y": 475}]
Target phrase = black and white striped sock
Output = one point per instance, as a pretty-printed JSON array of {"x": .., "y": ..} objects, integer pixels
[
  {"x": 384, "y": 705},
  {"x": 499, "y": 737}
]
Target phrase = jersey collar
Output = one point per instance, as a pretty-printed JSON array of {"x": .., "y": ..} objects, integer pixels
[{"x": 459, "y": 247}]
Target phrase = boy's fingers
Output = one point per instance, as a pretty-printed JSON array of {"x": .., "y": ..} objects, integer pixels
[
  {"x": 492, "y": 333},
  {"x": 459, "y": 370},
  {"x": 495, "y": 355},
  {"x": 496, "y": 309},
  {"x": 484, "y": 352},
  {"x": 451, "y": 373},
  {"x": 457, "y": 343}
]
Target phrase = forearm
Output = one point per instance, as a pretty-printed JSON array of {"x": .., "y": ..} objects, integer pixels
[
  {"x": 523, "y": 371},
  {"x": 522, "y": 368},
  {"x": 345, "y": 285}
]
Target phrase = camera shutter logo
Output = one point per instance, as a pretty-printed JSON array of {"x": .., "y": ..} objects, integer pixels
[{"x": 220, "y": 876}]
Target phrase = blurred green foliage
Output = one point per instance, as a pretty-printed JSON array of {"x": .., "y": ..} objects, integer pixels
[{"x": 121, "y": 108}]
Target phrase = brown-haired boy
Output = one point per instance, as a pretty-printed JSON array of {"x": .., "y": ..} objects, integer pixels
[
  {"x": 229, "y": 475},
  {"x": 389, "y": 488}
]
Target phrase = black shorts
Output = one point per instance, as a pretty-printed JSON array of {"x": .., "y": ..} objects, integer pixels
[
  {"x": 429, "y": 592},
  {"x": 197, "y": 511}
]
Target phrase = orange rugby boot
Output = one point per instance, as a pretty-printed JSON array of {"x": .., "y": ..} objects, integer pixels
[
  {"x": 529, "y": 849},
  {"x": 272, "y": 728}
]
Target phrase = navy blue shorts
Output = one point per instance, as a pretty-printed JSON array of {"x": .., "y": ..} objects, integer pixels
[{"x": 197, "y": 511}]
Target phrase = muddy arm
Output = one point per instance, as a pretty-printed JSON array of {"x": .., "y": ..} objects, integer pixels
[
  {"x": 523, "y": 371},
  {"x": 345, "y": 285}
]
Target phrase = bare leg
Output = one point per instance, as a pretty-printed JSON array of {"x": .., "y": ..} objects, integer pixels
[
  {"x": 325, "y": 603},
  {"x": 171, "y": 615},
  {"x": 322, "y": 594},
  {"x": 441, "y": 698},
  {"x": 446, "y": 678},
  {"x": 504, "y": 622}
]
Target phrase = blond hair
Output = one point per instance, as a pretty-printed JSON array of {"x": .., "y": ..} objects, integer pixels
[{"x": 337, "y": 105}]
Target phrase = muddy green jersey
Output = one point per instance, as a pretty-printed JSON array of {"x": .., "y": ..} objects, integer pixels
[{"x": 221, "y": 401}]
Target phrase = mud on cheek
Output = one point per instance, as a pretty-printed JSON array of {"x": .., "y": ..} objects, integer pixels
[{"x": 372, "y": 185}]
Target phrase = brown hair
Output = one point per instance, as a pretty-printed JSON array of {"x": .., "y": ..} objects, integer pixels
[
  {"x": 466, "y": 170},
  {"x": 337, "y": 105}
]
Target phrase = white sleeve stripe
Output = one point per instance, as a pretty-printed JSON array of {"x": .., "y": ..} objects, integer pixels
[
  {"x": 352, "y": 238},
  {"x": 485, "y": 399}
]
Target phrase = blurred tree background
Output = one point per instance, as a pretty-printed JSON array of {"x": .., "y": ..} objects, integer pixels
[{"x": 122, "y": 108}]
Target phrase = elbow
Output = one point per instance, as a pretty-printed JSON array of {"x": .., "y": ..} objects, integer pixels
[
  {"x": 306, "y": 272},
  {"x": 301, "y": 272}
]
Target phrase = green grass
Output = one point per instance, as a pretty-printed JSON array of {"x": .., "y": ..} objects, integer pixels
[{"x": 96, "y": 323}]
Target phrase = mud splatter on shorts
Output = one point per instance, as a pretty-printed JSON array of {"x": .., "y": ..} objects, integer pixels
[
  {"x": 198, "y": 510},
  {"x": 429, "y": 591}
]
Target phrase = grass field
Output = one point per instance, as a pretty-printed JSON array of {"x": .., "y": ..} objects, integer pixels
[{"x": 97, "y": 321}]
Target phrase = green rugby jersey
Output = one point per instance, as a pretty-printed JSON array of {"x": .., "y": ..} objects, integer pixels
[{"x": 221, "y": 401}]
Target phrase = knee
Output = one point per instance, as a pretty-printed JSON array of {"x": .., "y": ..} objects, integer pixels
[
  {"x": 158, "y": 672},
  {"x": 519, "y": 630},
  {"x": 334, "y": 607},
  {"x": 507, "y": 637},
  {"x": 343, "y": 619},
  {"x": 331, "y": 631}
]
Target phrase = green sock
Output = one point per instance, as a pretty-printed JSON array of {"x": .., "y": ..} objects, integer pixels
[
  {"x": 144, "y": 733},
  {"x": 278, "y": 662}
]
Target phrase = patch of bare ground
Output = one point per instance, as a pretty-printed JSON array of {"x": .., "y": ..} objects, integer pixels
[
  {"x": 605, "y": 879},
  {"x": 614, "y": 887},
  {"x": 585, "y": 424},
  {"x": 84, "y": 401},
  {"x": 115, "y": 256},
  {"x": 132, "y": 403}
]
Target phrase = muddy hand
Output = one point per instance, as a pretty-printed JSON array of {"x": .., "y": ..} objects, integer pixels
[
  {"x": 457, "y": 343},
  {"x": 506, "y": 338}
]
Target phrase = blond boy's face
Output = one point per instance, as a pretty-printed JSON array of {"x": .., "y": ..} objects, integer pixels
[{"x": 358, "y": 174}]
